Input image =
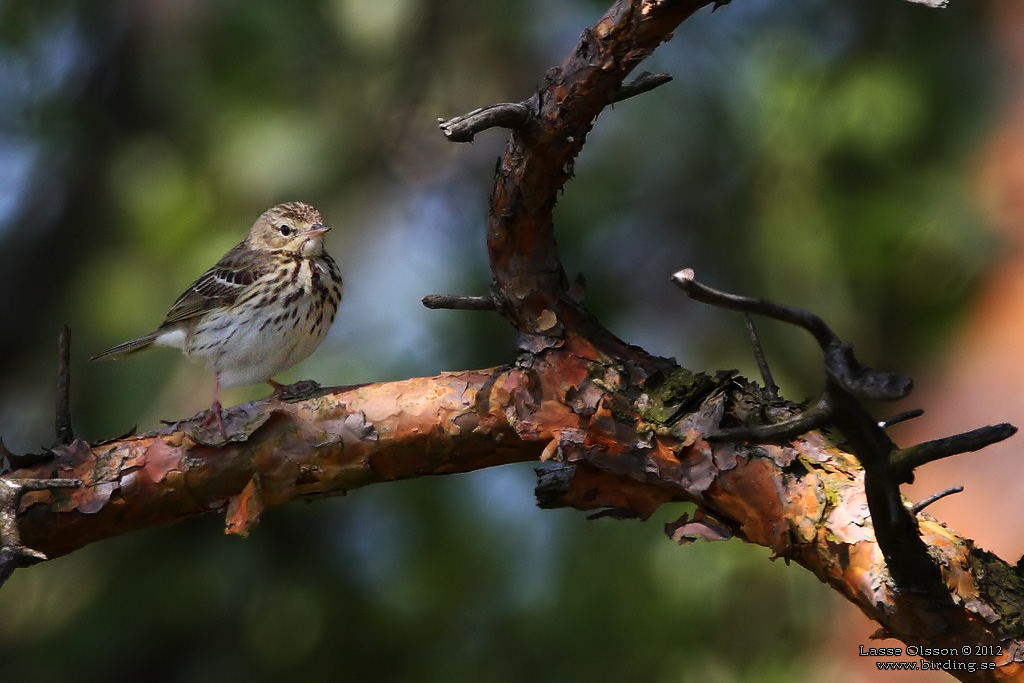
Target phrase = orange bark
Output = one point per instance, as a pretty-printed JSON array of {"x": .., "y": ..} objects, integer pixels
[{"x": 276, "y": 452}]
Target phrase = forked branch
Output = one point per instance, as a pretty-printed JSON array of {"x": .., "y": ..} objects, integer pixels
[{"x": 848, "y": 383}]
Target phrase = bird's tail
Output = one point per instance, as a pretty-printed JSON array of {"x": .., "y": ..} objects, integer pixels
[{"x": 127, "y": 348}]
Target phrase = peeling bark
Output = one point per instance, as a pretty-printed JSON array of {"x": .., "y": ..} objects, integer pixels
[{"x": 276, "y": 452}]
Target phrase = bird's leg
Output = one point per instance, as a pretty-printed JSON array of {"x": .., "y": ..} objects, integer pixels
[
  {"x": 278, "y": 389},
  {"x": 213, "y": 415}
]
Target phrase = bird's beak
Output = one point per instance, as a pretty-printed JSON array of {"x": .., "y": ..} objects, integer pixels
[{"x": 317, "y": 230}]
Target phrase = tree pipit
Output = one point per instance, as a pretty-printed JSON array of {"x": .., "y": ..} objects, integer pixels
[{"x": 265, "y": 306}]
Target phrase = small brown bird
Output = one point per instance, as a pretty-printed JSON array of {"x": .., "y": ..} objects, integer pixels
[{"x": 264, "y": 307}]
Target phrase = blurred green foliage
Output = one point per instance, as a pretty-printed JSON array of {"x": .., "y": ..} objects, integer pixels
[{"x": 814, "y": 151}]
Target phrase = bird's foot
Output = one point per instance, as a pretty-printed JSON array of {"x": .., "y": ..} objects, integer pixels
[
  {"x": 298, "y": 391},
  {"x": 213, "y": 422}
]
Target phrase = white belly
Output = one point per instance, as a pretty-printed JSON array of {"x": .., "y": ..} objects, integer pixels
[
  {"x": 256, "y": 351},
  {"x": 251, "y": 347}
]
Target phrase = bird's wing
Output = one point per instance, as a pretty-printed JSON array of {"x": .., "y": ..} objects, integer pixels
[{"x": 220, "y": 286}]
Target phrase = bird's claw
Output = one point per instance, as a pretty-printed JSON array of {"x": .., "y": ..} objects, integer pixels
[{"x": 298, "y": 391}]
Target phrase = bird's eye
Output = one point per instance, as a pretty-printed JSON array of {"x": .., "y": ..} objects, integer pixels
[{"x": 285, "y": 229}]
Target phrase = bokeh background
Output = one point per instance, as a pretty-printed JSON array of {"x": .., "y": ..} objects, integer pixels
[{"x": 860, "y": 158}]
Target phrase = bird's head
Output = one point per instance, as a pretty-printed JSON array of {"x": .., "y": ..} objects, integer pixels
[{"x": 292, "y": 227}]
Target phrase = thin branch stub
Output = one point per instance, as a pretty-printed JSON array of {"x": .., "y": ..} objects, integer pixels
[
  {"x": 511, "y": 115},
  {"x": 905, "y": 461},
  {"x": 459, "y": 302},
  {"x": 644, "y": 82},
  {"x": 814, "y": 417},
  {"x": 900, "y": 417},
  {"x": 62, "y": 422},
  {"x": 515, "y": 115},
  {"x": 762, "y": 360},
  {"x": 922, "y": 504}
]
